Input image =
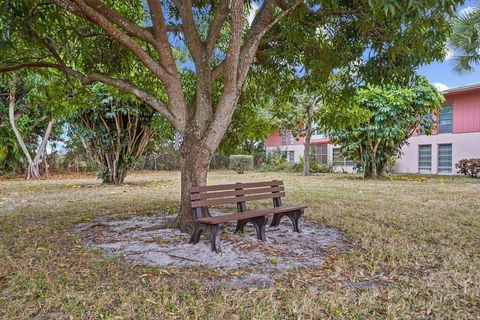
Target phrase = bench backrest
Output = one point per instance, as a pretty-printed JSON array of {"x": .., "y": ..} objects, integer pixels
[{"x": 238, "y": 193}]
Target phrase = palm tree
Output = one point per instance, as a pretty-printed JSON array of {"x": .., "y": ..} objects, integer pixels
[{"x": 465, "y": 40}]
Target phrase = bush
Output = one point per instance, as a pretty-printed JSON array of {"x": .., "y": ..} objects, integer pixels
[
  {"x": 241, "y": 163},
  {"x": 314, "y": 166},
  {"x": 220, "y": 161},
  {"x": 469, "y": 167}
]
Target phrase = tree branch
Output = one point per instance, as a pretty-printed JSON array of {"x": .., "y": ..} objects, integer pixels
[
  {"x": 96, "y": 77},
  {"x": 195, "y": 45},
  {"x": 129, "y": 27},
  {"x": 102, "y": 22},
  {"x": 261, "y": 25},
  {"x": 229, "y": 97},
  {"x": 159, "y": 31},
  {"x": 218, "y": 21}
]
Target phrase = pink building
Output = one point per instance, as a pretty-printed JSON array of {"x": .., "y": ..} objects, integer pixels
[
  {"x": 322, "y": 150},
  {"x": 456, "y": 137}
]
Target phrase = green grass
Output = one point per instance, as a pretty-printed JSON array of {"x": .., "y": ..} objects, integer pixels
[{"x": 418, "y": 238}]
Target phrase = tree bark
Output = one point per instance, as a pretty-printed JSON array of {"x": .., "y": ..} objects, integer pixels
[
  {"x": 194, "y": 165},
  {"x": 308, "y": 136},
  {"x": 374, "y": 174},
  {"x": 306, "y": 154},
  {"x": 33, "y": 171}
]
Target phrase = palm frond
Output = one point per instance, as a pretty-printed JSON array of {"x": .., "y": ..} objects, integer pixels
[{"x": 465, "y": 41}]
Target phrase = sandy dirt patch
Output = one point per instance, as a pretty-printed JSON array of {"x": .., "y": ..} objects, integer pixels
[{"x": 150, "y": 241}]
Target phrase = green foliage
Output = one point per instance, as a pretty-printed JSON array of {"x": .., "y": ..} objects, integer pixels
[
  {"x": 276, "y": 161},
  {"x": 394, "y": 114},
  {"x": 465, "y": 41},
  {"x": 470, "y": 167},
  {"x": 241, "y": 163},
  {"x": 115, "y": 132},
  {"x": 251, "y": 120},
  {"x": 37, "y": 100},
  {"x": 314, "y": 166},
  {"x": 220, "y": 161}
]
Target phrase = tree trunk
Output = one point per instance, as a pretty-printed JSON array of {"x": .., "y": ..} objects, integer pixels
[
  {"x": 374, "y": 173},
  {"x": 117, "y": 171},
  {"x": 33, "y": 171},
  {"x": 308, "y": 135},
  {"x": 306, "y": 154},
  {"x": 194, "y": 164}
]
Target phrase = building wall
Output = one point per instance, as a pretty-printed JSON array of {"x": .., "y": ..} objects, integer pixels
[
  {"x": 275, "y": 140},
  {"x": 299, "y": 148},
  {"x": 466, "y": 112},
  {"x": 296, "y": 148},
  {"x": 465, "y": 136},
  {"x": 464, "y": 146}
]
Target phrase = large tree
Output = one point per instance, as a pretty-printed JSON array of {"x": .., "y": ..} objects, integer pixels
[
  {"x": 392, "y": 114},
  {"x": 152, "y": 50}
]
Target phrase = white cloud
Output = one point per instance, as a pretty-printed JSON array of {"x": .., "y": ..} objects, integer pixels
[
  {"x": 253, "y": 12},
  {"x": 440, "y": 86}
]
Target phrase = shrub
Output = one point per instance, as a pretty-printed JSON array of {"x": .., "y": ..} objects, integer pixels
[
  {"x": 391, "y": 164},
  {"x": 241, "y": 163},
  {"x": 470, "y": 167},
  {"x": 314, "y": 166}
]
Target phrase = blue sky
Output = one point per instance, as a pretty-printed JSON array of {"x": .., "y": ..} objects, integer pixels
[{"x": 441, "y": 73}]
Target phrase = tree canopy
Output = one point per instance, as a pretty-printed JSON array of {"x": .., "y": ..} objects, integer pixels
[{"x": 392, "y": 115}]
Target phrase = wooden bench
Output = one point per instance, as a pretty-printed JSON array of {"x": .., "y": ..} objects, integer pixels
[{"x": 240, "y": 193}]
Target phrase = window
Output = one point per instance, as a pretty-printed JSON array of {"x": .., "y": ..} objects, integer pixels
[
  {"x": 290, "y": 138},
  {"x": 444, "y": 158},
  {"x": 289, "y": 155},
  {"x": 445, "y": 119},
  {"x": 284, "y": 138},
  {"x": 319, "y": 152},
  {"x": 287, "y": 139},
  {"x": 339, "y": 160},
  {"x": 425, "y": 158}
]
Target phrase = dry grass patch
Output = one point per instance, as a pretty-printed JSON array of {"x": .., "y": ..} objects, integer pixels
[{"x": 416, "y": 237}]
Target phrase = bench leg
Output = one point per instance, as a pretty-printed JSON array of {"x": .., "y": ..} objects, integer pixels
[
  {"x": 294, "y": 217},
  {"x": 240, "y": 225},
  {"x": 214, "y": 231},
  {"x": 197, "y": 232},
  {"x": 259, "y": 224},
  {"x": 276, "y": 219}
]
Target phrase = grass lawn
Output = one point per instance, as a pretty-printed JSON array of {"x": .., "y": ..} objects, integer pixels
[{"x": 416, "y": 238}]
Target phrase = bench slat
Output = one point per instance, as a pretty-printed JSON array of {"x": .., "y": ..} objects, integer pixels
[
  {"x": 249, "y": 214},
  {"x": 233, "y": 186},
  {"x": 223, "y": 194},
  {"x": 212, "y": 202}
]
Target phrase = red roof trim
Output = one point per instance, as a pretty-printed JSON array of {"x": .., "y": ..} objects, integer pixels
[{"x": 320, "y": 142}]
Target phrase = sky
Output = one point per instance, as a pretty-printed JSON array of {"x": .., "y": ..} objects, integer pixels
[{"x": 441, "y": 73}]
